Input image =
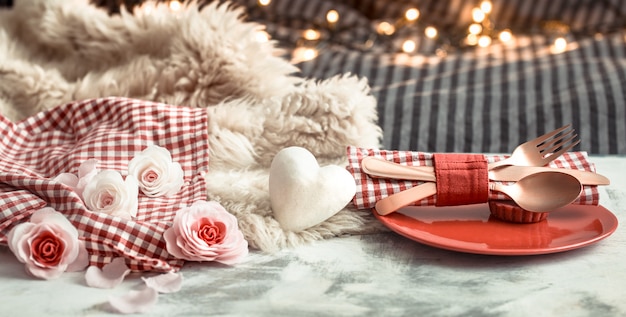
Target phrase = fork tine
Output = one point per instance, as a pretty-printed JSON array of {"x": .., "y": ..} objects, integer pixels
[
  {"x": 557, "y": 140},
  {"x": 564, "y": 149},
  {"x": 541, "y": 139},
  {"x": 558, "y": 145}
]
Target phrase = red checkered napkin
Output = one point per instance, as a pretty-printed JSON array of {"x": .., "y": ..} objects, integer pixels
[
  {"x": 112, "y": 130},
  {"x": 370, "y": 190}
]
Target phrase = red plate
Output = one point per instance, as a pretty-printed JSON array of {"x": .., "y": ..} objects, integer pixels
[{"x": 472, "y": 229}]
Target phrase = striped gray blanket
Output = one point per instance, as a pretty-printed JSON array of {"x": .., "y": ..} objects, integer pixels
[{"x": 475, "y": 99}]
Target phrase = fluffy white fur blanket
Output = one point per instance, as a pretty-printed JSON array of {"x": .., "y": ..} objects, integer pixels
[{"x": 56, "y": 51}]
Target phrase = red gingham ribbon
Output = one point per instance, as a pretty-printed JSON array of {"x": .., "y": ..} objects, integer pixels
[
  {"x": 370, "y": 190},
  {"x": 113, "y": 131}
]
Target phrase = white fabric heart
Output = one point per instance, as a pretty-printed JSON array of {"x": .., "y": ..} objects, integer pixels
[{"x": 302, "y": 194}]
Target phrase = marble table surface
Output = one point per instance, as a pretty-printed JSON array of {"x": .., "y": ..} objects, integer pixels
[{"x": 374, "y": 275}]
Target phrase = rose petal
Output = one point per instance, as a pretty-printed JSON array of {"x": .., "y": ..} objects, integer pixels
[
  {"x": 158, "y": 151},
  {"x": 165, "y": 283},
  {"x": 86, "y": 172},
  {"x": 46, "y": 273},
  {"x": 135, "y": 301},
  {"x": 67, "y": 179},
  {"x": 17, "y": 240},
  {"x": 50, "y": 216},
  {"x": 87, "y": 167},
  {"x": 110, "y": 276},
  {"x": 82, "y": 259},
  {"x": 176, "y": 179},
  {"x": 170, "y": 243},
  {"x": 42, "y": 214}
]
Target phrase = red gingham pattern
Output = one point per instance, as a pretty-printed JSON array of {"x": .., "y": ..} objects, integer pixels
[
  {"x": 113, "y": 131},
  {"x": 370, "y": 190}
]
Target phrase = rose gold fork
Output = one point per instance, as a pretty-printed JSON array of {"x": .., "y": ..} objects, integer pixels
[{"x": 541, "y": 151}]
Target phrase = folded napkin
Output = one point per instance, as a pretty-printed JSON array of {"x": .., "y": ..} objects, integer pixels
[
  {"x": 462, "y": 176},
  {"x": 113, "y": 131}
]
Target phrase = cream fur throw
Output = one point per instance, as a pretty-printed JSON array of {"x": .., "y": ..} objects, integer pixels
[{"x": 56, "y": 51}]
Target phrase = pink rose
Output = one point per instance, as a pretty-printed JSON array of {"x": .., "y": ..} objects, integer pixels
[
  {"x": 156, "y": 173},
  {"x": 205, "y": 231},
  {"x": 48, "y": 244},
  {"x": 107, "y": 192}
]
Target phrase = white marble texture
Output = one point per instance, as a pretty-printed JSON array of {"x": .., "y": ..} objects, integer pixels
[{"x": 371, "y": 275}]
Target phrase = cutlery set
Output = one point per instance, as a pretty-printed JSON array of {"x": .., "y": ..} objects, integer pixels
[{"x": 537, "y": 188}]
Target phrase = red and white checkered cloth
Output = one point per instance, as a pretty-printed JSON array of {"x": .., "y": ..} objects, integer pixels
[
  {"x": 370, "y": 190},
  {"x": 113, "y": 131}
]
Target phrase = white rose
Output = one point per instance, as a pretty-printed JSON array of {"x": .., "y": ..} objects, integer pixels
[
  {"x": 156, "y": 173},
  {"x": 109, "y": 193}
]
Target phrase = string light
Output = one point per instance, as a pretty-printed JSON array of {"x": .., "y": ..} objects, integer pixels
[
  {"x": 471, "y": 40},
  {"x": 146, "y": 8},
  {"x": 332, "y": 16},
  {"x": 385, "y": 28},
  {"x": 412, "y": 14},
  {"x": 430, "y": 32},
  {"x": 559, "y": 46},
  {"x": 475, "y": 28},
  {"x": 303, "y": 54},
  {"x": 484, "y": 40},
  {"x": 409, "y": 46},
  {"x": 175, "y": 5},
  {"x": 482, "y": 32},
  {"x": 505, "y": 35},
  {"x": 486, "y": 6},
  {"x": 478, "y": 15},
  {"x": 262, "y": 36},
  {"x": 311, "y": 35}
]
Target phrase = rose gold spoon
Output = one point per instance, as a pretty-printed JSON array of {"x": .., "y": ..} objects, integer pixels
[
  {"x": 543, "y": 191},
  {"x": 539, "y": 192}
]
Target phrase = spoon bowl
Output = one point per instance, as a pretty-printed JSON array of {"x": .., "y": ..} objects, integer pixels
[{"x": 543, "y": 191}]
